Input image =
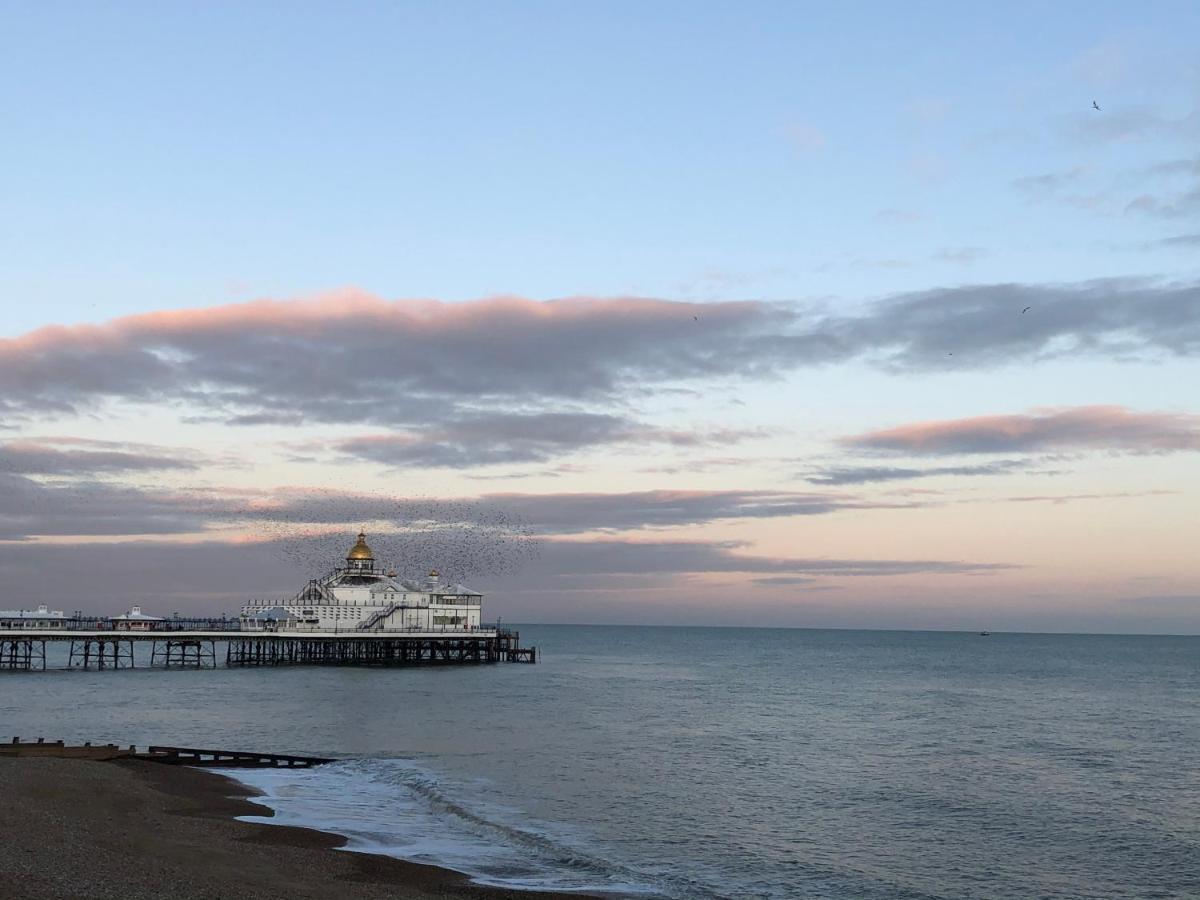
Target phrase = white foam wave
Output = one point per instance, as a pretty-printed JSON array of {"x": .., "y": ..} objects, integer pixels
[{"x": 398, "y": 808}]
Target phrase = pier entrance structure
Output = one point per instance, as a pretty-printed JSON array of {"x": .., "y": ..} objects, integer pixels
[{"x": 359, "y": 596}]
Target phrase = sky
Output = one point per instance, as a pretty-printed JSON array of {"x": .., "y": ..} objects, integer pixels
[{"x": 795, "y": 314}]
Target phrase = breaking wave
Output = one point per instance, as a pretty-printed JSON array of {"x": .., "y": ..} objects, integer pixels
[{"x": 399, "y": 808}]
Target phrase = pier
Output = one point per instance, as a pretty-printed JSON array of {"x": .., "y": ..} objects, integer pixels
[
  {"x": 24, "y": 649},
  {"x": 359, "y": 614}
]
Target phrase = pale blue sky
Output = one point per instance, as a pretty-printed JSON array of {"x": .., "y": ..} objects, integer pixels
[{"x": 166, "y": 155}]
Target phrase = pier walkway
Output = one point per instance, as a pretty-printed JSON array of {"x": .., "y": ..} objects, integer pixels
[{"x": 24, "y": 649}]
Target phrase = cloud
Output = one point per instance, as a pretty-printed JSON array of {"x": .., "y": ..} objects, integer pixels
[
  {"x": 42, "y": 457},
  {"x": 1184, "y": 601},
  {"x": 1170, "y": 206},
  {"x": 29, "y": 508},
  {"x": 1180, "y": 240},
  {"x": 1188, "y": 166},
  {"x": 566, "y": 512},
  {"x": 785, "y": 580},
  {"x": 1070, "y": 498},
  {"x": 1086, "y": 427},
  {"x": 423, "y": 365},
  {"x": 1122, "y": 124},
  {"x": 1176, "y": 202},
  {"x": 982, "y": 326},
  {"x": 520, "y": 437},
  {"x": 843, "y": 475},
  {"x": 879, "y": 263},
  {"x": 215, "y": 576},
  {"x": 960, "y": 255},
  {"x": 355, "y": 358},
  {"x": 895, "y": 216},
  {"x": 1041, "y": 186},
  {"x": 570, "y": 558}
]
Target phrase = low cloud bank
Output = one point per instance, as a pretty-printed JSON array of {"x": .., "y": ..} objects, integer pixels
[
  {"x": 1086, "y": 427},
  {"x": 354, "y": 358}
]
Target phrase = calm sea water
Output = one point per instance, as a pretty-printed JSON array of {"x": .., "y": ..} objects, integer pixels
[{"x": 701, "y": 763}]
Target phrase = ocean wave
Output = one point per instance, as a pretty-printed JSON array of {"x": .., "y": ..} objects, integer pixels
[{"x": 398, "y": 807}]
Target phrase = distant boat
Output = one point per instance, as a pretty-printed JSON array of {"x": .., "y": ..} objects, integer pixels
[{"x": 985, "y": 634}]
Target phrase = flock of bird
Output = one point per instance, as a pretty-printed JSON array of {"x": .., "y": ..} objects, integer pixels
[{"x": 463, "y": 540}]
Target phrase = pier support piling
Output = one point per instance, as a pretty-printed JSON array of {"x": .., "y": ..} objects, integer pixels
[
  {"x": 187, "y": 654},
  {"x": 22, "y": 655},
  {"x": 101, "y": 653}
]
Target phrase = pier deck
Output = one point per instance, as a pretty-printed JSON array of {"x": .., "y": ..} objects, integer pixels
[{"x": 24, "y": 649}]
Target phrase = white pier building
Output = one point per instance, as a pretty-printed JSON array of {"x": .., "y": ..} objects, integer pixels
[
  {"x": 360, "y": 597},
  {"x": 42, "y": 617}
]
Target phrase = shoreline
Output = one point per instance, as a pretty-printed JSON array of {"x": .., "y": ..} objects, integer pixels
[{"x": 78, "y": 829}]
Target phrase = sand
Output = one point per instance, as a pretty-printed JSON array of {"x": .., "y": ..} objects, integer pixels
[{"x": 78, "y": 830}]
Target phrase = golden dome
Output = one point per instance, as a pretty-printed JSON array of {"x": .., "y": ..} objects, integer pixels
[{"x": 360, "y": 550}]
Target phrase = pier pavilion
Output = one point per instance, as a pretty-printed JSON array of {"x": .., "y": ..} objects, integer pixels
[{"x": 363, "y": 597}]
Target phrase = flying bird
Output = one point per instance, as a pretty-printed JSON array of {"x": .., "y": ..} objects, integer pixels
[
  {"x": 1026, "y": 309},
  {"x": 1095, "y": 105}
]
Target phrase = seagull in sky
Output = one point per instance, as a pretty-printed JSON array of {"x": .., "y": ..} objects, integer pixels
[
  {"x": 1095, "y": 105},
  {"x": 1026, "y": 309}
]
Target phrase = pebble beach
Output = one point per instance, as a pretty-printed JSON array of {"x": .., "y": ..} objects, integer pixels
[{"x": 78, "y": 830}]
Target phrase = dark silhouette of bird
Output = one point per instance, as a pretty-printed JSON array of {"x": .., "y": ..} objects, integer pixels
[
  {"x": 1095, "y": 105},
  {"x": 695, "y": 318},
  {"x": 1026, "y": 309}
]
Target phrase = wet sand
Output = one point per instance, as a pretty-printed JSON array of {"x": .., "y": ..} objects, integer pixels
[{"x": 79, "y": 830}]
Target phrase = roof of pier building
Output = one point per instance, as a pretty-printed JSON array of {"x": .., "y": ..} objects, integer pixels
[
  {"x": 42, "y": 612},
  {"x": 135, "y": 614}
]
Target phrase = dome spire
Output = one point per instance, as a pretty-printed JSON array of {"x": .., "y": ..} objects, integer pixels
[{"x": 360, "y": 551}]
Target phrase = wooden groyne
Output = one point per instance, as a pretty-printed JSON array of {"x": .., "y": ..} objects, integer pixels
[
  {"x": 174, "y": 756},
  {"x": 229, "y": 759},
  {"x": 58, "y": 749}
]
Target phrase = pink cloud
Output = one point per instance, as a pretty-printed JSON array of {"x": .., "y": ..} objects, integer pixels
[
  {"x": 349, "y": 357},
  {"x": 328, "y": 356},
  {"x": 1085, "y": 427}
]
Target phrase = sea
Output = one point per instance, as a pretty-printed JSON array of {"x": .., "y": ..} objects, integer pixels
[{"x": 716, "y": 762}]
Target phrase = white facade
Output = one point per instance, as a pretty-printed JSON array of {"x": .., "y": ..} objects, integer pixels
[
  {"x": 360, "y": 597},
  {"x": 42, "y": 617},
  {"x": 134, "y": 620}
]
